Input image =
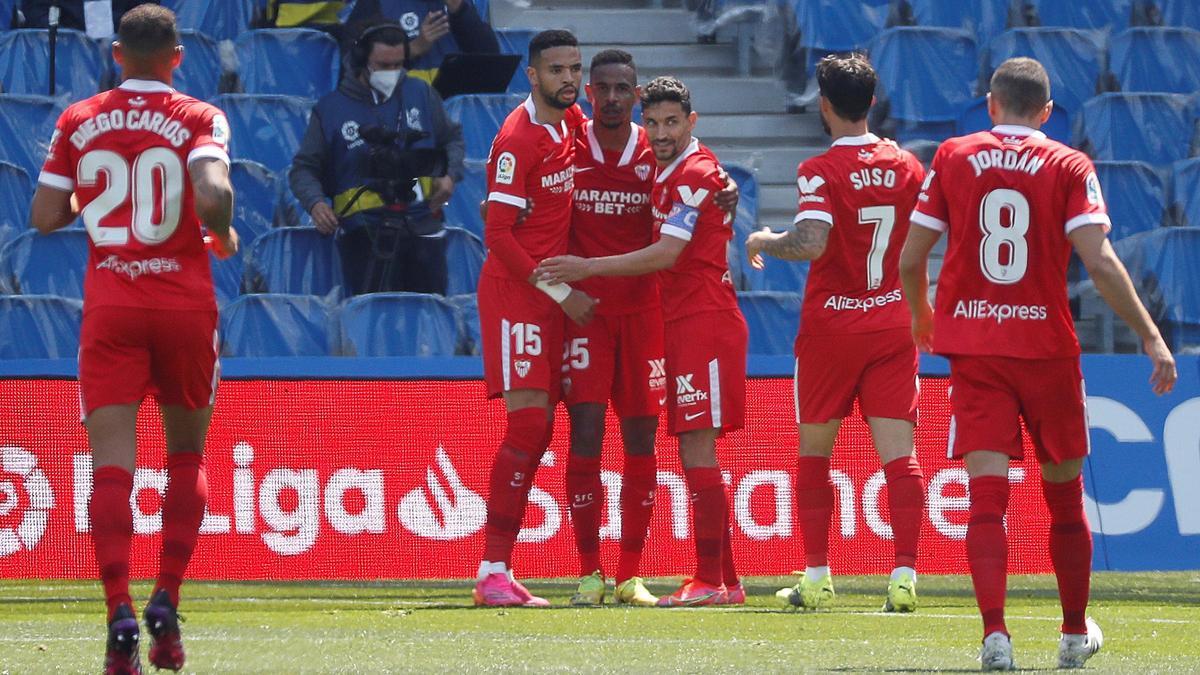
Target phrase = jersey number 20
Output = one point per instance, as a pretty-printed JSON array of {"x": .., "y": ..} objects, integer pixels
[{"x": 156, "y": 184}]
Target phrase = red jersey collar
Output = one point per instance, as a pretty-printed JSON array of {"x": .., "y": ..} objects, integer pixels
[
  {"x": 598, "y": 152},
  {"x": 558, "y": 134}
]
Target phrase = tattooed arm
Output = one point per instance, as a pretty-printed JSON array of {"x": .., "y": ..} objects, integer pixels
[{"x": 804, "y": 241}]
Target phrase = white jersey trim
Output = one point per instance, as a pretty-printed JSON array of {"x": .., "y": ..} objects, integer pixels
[
  {"x": 928, "y": 222},
  {"x": 714, "y": 384},
  {"x": 146, "y": 86},
  {"x": 598, "y": 152},
  {"x": 1016, "y": 130},
  {"x": 675, "y": 232},
  {"x": 554, "y": 132},
  {"x": 56, "y": 181},
  {"x": 866, "y": 139},
  {"x": 518, "y": 202},
  {"x": 822, "y": 216},
  {"x": 505, "y": 355},
  {"x": 1088, "y": 219},
  {"x": 211, "y": 150}
]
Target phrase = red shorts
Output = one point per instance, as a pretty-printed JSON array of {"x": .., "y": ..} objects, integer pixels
[
  {"x": 990, "y": 394},
  {"x": 126, "y": 353},
  {"x": 619, "y": 358},
  {"x": 706, "y": 370},
  {"x": 878, "y": 368},
  {"x": 522, "y": 333}
]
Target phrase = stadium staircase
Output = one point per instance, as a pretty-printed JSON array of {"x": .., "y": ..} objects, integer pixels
[{"x": 744, "y": 119}]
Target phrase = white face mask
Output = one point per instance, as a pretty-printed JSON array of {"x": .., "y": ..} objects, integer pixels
[{"x": 385, "y": 81}]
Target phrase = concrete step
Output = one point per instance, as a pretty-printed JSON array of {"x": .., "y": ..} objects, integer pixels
[
  {"x": 717, "y": 95},
  {"x": 754, "y": 131},
  {"x": 595, "y": 26},
  {"x": 774, "y": 164},
  {"x": 677, "y": 59},
  {"x": 777, "y": 197}
]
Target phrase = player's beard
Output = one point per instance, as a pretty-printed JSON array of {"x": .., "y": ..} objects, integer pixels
[
  {"x": 557, "y": 100},
  {"x": 825, "y": 125}
]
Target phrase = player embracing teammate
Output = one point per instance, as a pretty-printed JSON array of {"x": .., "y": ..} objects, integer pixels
[
  {"x": 854, "y": 340},
  {"x": 1014, "y": 204},
  {"x": 144, "y": 167}
]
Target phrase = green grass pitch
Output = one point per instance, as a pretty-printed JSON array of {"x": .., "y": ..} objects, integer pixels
[{"x": 1150, "y": 622}]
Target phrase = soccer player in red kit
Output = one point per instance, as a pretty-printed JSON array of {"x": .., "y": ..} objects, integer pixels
[
  {"x": 145, "y": 167},
  {"x": 705, "y": 334},
  {"x": 854, "y": 341},
  {"x": 1014, "y": 204},
  {"x": 522, "y": 319}
]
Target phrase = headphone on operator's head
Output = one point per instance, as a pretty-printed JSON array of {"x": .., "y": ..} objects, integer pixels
[{"x": 360, "y": 51}]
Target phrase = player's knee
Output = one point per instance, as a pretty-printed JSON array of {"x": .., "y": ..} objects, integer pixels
[
  {"x": 526, "y": 430},
  {"x": 637, "y": 433},
  {"x": 587, "y": 429}
]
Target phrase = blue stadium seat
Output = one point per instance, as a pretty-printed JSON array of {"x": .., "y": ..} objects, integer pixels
[
  {"x": 398, "y": 324},
  {"x": 773, "y": 318},
  {"x": 1165, "y": 266},
  {"x": 1074, "y": 59},
  {"x": 228, "y": 275},
  {"x": 745, "y": 222},
  {"x": 777, "y": 275},
  {"x": 296, "y": 260},
  {"x": 270, "y": 324},
  {"x": 291, "y": 62},
  {"x": 25, "y": 63},
  {"x": 265, "y": 128},
  {"x": 975, "y": 118},
  {"x": 1136, "y": 196},
  {"x": 199, "y": 76},
  {"x": 45, "y": 264},
  {"x": 39, "y": 327},
  {"x": 15, "y": 191},
  {"x": 481, "y": 116},
  {"x": 463, "y": 209},
  {"x": 1185, "y": 192},
  {"x": 925, "y": 107},
  {"x": 1183, "y": 13},
  {"x": 26, "y": 125},
  {"x": 219, "y": 19},
  {"x": 1113, "y": 15},
  {"x": 985, "y": 19},
  {"x": 467, "y": 309},
  {"x": 1154, "y": 128},
  {"x": 516, "y": 41},
  {"x": 837, "y": 25},
  {"x": 288, "y": 210},
  {"x": 464, "y": 260},
  {"x": 254, "y": 206},
  {"x": 1157, "y": 59}
]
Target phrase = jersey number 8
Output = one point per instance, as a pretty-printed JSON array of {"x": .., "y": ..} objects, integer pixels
[{"x": 999, "y": 238}]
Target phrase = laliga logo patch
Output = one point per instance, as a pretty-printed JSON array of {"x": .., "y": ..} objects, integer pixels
[
  {"x": 642, "y": 171},
  {"x": 1094, "y": 196},
  {"x": 350, "y": 131},
  {"x": 220, "y": 130},
  {"x": 506, "y": 168},
  {"x": 413, "y": 119},
  {"x": 29, "y": 531},
  {"x": 410, "y": 22},
  {"x": 429, "y": 511},
  {"x": 522, "y": 367}
]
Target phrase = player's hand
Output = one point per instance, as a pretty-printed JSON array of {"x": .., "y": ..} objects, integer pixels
[
  {"x": 922, "y": 328},
  {"x": 324, "y": 218},
  {"x": 579, "y": 306},
  {"x": 727, "y": 199},
  {"x": 755, "y": 244},
  {"x": 223, "y": 247},
  {"x": 1162, "y": 380},
  {"x": 443, "y": 189},
  {"x": 563, "y": 269}
]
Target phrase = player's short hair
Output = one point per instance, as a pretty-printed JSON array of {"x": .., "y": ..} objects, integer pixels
[
  {"x": 549, "y": 39},
  {"x": 1021, "y": 86},
  {"x": 148, "y": 29},
  {"x": 610, "y": 57},
  {"x": 848, "y": 83},
  {"x": 667, "y": 88}
]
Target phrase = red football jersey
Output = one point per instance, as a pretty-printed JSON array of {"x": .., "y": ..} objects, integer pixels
[
  {"x": 532, "y": 162},
  {"x": 125, "y": 153},
  {"x": 699, "y": 281},
  {"x": 865, "y": 188},
  {"x": 612, "y": 216},
  {"x": 1008, "y": 198}
]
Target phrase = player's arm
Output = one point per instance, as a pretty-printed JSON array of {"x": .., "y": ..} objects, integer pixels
[
  {"x": 212, "y": 198},
  {"x": 657, "y": 256},
  {"x": 52, "y": 209},
  {"x": 1112, "y": 281},
  {"x": 805, "y": 240},
  {"x": 54, "y": 204},
  {"x": 914, "y": 277}
]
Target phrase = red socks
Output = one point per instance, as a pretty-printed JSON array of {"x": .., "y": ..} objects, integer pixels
[
  {"x": 1070, "y": 550},
  {"x": 112, "y": 529},
  {"x": 585, "y": 493},
  {"x": 987, "y": 549},
  {"x": 814, "y": 507},
  {"x": 511, "y": 478},
  {"x": 182, "y": 512},
  {"x": 710, "y": 516},
  {"x": 906, "y": 500},
  {"x": 637, "y": 503}
]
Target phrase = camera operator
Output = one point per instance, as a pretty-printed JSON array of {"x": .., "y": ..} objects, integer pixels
[{"x": 382, "y": 150}]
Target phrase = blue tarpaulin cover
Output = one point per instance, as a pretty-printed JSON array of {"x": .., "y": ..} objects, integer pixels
[
  {"x": 291, "y": 62},
  {"x": 270, "y": 324},
  {"x": 25, "y": 63},
  {"x": 45, "y": 264},
  {"x": 1154, "y": 128},
  {"x": 39, "y": 327},
  {"x": 265, "y": 128},
  {"x": 926, "y": 74},
  {"x": 1074, "y": 59},
  {"x": 296, "y": 260},
  {"x": 1136, "y": 196},
  {"x": 481, "y": 116},
  {"x": 26, "y": 125},
  {"x": 398, "y": 324},
  {"x": 773, "y": 318},
  {"x": 464, "y": 260},
  {"x": 1165, "y": 266},
  {"x": 1157, "y": 59}
]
